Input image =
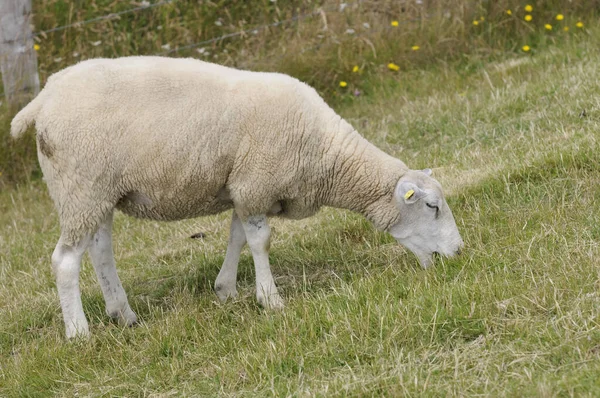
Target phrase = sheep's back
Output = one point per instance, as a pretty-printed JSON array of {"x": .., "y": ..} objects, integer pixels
[{"x": 164, "y": 136}]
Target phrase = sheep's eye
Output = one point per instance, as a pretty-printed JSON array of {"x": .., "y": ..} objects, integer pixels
[{"x": 437, "y": 209}]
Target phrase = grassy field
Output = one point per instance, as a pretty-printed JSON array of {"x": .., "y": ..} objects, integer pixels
[
  {"x": 514, "y": 142},
  {"x": 344, "y": 49}
]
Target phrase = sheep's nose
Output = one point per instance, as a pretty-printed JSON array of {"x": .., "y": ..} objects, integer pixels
[{"x": 458, "y": 251}]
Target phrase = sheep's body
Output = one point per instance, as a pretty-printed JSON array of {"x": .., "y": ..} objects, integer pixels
[{"x": 169, "y": 139}]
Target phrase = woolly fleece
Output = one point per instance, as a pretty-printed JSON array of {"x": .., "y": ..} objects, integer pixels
[{"x": 170, "y": 139}]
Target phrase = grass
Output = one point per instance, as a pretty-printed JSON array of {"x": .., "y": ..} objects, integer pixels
[
  {"x": 518, "y": 314},
  {"x": 320, "y": 42},
  {"x": 315, "y": 41}
]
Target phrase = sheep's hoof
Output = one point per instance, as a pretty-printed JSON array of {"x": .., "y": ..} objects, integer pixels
[
  {"x": 125, "y": 317},
  {"x": 77, "y": 331},
  {"x": 225, "y": 292},
  {"x": 271, "y": 302}
]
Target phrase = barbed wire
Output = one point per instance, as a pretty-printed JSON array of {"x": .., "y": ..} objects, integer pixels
[
  {"x": 240, "y": 33},
  {"x": 180, "y": 48},
  {"x": 339, "y": 8},
  {"x": 104, "y": 17},
  {"x": 112, "y": 15}
]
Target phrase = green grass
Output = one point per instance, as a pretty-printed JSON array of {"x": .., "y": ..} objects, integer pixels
[
  {"x": 516, "y": 315},
  {"x": 322, "y": 47}
]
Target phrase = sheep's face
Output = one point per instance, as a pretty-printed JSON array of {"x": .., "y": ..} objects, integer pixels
[{"x": 426, "y": 224}]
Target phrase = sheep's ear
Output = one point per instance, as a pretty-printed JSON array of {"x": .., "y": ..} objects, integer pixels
[
  {"x": 408, "y": 192},
  {"x": 427, "y": 171}
]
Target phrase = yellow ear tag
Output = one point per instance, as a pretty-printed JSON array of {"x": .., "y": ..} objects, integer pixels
[{"x": 409, "y": 194}]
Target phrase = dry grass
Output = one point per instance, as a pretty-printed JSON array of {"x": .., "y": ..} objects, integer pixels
[
  {"x": 321, "y": 47},
  {"x": 517, "y": 315}
]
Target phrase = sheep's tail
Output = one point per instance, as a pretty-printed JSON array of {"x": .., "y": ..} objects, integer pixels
[{"x": 26, "y": 116}]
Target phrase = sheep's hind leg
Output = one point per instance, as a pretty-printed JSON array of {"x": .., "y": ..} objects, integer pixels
[
  {"x": 103, "y": 259},
  {"x": 66, "y": 263},
  {"x": 226, "y": 280},
  {"x": 258, "y": 235}
]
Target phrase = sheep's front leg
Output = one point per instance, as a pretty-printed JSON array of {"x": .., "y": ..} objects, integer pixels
[
  {"x": 66, "y": 263},
  {"x": 226, "y": 280},
  {"x": 103, "y": 259},
  {"x": 258, "y": 235}
]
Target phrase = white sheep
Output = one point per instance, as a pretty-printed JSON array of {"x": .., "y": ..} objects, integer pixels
[{"x": 169, "y": 139}]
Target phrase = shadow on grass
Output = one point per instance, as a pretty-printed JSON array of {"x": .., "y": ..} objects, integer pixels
[{"x": 346, "y": 251}]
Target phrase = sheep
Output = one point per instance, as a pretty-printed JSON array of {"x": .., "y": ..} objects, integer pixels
[{"x": 170, "y": 139}]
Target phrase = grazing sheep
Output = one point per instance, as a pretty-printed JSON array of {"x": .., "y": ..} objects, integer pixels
[{"x": 169, "y": 139}]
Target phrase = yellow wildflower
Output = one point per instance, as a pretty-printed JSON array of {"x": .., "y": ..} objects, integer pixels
[
  {"x": 395, "y": 23},
  {"x": 560, "y": 17},
  {"x": 528, "y": 8},
  {"x": 566, "y": 28},
  {"x": 509, "y": 12},
  {"x": 482, "y": 19},
  {"x": 355, "y": 69},
  {"x": 343, "y": 84},
  {"x": 528, "y": 17},
  {"x": 526, "y": 48},
  {"x": 415, "y": 48},
  {"x": 393, "y": 66},
  {"x": 475, "y": 23},
  {"x": 36, "y": 47},
  {"x": 548, "y": 26},
  {"x": 579, "y": 24}
]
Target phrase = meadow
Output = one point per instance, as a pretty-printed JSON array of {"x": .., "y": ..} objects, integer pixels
[{"x": 512, "y": 135}]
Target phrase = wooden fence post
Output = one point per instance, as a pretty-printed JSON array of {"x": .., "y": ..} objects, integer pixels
[{"x": 18, "y": 61}]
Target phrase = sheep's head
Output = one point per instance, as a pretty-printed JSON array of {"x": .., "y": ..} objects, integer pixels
[{"x": 426, "y": 224}]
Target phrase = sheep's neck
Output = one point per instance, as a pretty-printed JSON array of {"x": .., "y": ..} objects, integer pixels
[{"x": 363, "y": 179}]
